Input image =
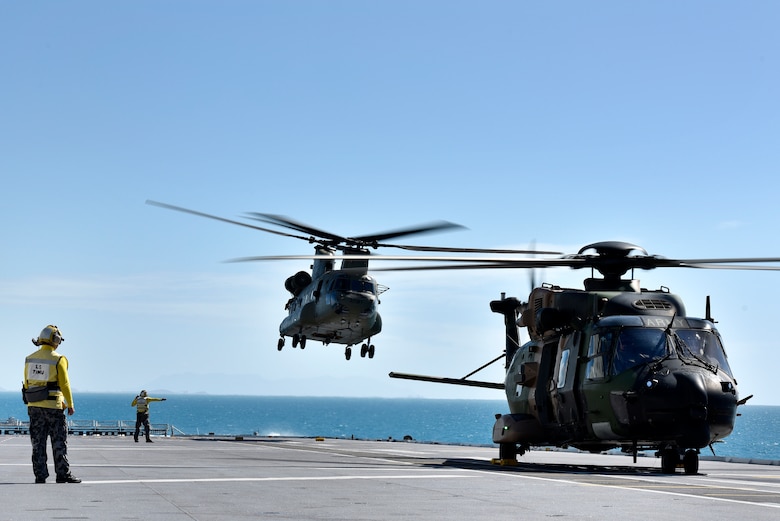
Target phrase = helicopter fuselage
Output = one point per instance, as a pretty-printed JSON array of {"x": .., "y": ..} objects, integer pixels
[
  {"x": 337, "y": 307},
  {"x": 616, "y": 369}
]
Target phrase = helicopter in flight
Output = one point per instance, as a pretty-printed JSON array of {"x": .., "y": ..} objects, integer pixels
[
  {"x": 330, "y": 304},
  {"x": 610, "y": 366}
]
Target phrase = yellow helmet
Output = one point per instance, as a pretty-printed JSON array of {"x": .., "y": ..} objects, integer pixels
[{"x": 50, "y": 335}]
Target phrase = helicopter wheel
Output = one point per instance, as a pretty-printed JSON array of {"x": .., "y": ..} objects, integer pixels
[
  {"x": 691, "y": 462},
  {"x": 670, "y": 457},
  {"x": 348, "y": 353},
  {"x": 303, "y": 342},
  {"x": 507, "y": 451},
  {"x": 371, "y": 351},
  {"x": 280, "y": 344},
  {"x": 363, "y": 350},
  {"x": 296, "y": 339}
]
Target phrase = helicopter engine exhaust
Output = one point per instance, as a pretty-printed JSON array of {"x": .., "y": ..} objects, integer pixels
[{"x": 297, "y": 283}]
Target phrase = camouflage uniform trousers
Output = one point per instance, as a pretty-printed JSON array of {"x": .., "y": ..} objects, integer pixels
[{"x": 51, "y": 423}]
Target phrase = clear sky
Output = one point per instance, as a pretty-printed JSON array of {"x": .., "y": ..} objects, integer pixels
[{"x": 560, "y": 123}]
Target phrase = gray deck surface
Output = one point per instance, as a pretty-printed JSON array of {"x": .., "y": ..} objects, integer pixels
[{"x": 211, "y": 479}]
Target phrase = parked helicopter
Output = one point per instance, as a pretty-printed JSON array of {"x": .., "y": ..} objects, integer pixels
[
  {"x": 612, "y": 365},
  {"x": 333, "y": 305}
]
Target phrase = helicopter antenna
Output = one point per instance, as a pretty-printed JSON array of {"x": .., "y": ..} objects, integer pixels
[
  {"x": 669, "y": 327},
  {"x": 707, "y": 312}
]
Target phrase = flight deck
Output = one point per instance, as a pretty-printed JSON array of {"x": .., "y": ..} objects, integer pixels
[{"x": 262, "y": 478}]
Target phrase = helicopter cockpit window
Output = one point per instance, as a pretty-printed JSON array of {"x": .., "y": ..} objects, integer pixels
[
  {"x": 597, "y": 350},
  {"x": 636, "y": 346},
  {"x": 356, "y": 285},
  {"x": 703, "y": 345},
  {"x": 340, "y": 284},
  {"x": 363, "y": 286}
]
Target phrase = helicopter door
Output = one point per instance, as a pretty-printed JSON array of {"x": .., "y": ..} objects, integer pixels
[
  {"x": 564, "y": 395},
  {"x": 545, "y": 386}
]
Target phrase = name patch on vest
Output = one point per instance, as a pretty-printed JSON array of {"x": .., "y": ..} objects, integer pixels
[{"x": 37, "y": 371}]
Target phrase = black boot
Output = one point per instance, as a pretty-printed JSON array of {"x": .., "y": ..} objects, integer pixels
[{"x": 68, "y": 479}]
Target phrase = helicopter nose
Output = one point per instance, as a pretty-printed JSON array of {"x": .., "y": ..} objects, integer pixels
[
  {"x": 358, "y": 304},
  {"x": 692, "y": 394},
  {"x": 691, "y": 407}
]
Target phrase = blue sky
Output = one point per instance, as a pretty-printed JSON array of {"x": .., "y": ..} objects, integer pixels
[{"x": 560, "y": 123}]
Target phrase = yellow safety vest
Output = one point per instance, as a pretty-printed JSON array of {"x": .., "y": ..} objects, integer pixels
[
  {"x": 142, "y": 403},
  {"x": 47, "y": 368}
]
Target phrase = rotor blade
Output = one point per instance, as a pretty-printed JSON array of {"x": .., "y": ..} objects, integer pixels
[
  {"x": 217, "y": 218},
  {"x": 463, "y": 263},
  {"x": 369, "y": 240},
  {"x": 532, "y": 273},
  {"x": 445, "y": 249},
  {"x": 574, "y": 263},
  {"x": 738, "y": 260},
  {"x": 286, "y": 222},
  {"x": 476, "y": 263},
  {"x": 732, "y": 267},
  {"x": 440, "y": 267},
  {"x": 611, "y": 266},
  {"x": 403, "y": 232},
  {"x": 496, "y": 261}
]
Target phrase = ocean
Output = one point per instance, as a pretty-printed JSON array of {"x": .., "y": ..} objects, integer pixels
[{"x": 468, "y": 422}]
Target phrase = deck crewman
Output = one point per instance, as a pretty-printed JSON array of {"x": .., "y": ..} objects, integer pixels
[
  {"x": 141, "y": 403},
  {"x": 46, "y": 391}
]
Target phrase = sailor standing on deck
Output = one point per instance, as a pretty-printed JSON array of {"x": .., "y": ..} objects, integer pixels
[
  {"x": 46, "y": 391},
  {"x": 141, "y": 403}
]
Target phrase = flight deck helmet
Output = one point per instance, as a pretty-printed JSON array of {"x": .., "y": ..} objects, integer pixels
[{"x": 50, "y": 335}]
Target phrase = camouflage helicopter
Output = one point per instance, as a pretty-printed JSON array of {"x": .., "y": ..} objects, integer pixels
[
  {"x": 332, "y": 305},
  {"x": 613, "y": 365}
]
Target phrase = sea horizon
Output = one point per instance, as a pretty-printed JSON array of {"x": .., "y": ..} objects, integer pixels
[{"x": 435, "y": 420}]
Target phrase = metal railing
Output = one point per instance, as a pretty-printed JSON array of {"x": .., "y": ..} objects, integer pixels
[{"x": 91, "y": 427}]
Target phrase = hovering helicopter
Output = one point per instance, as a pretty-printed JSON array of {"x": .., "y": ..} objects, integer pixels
[
  {"x": 333, "y": 305},
  {"x": 610, "y": 366}
]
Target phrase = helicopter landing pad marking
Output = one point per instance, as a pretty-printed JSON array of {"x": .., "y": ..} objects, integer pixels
[
  {"x": 643, "y": 485},
  {"x": 290, "y": 478}
]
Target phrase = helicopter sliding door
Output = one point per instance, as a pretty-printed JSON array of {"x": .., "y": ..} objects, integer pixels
[
  {"x": 564, "y": 384},
  {"x": 543, "y": 393},
  {"x": 556, "y": 397}
]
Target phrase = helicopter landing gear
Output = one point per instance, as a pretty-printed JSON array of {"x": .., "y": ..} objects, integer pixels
[
  {"x": 348, "y": 353},
  {"x": 280, "y": 344},
  {"x": 366, "y": 349},
  {"x": 691, "y": 461},
  {"x": 671, "y": 459},
  {"x": 299, "y": 340},
  {"x": 507, "y": 451}
]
